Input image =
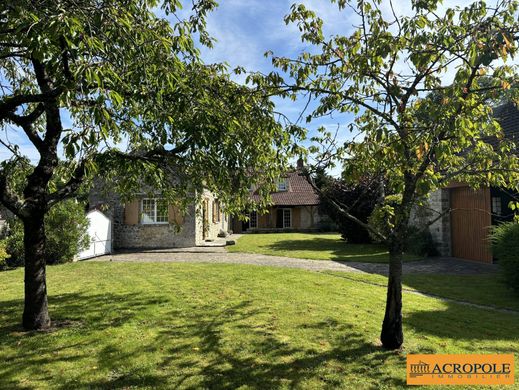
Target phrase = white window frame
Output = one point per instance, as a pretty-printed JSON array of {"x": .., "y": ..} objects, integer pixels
[
  {"x": 255, "y": 219},
  {"x": 290, "y": 213},
  {"x": 282, "y": 185},
  {"x": 154, "y": 222}
]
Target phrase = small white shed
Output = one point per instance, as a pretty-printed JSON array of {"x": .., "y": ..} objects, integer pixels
[{"x": 100, "y": 233}]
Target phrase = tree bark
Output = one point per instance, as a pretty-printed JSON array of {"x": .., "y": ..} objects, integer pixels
[
  {"x": 392, "y": 336},
  {"x": 35, "y": 313}
]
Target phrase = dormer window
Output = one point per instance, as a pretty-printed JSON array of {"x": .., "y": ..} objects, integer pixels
[{"x": 282, "y": 185}]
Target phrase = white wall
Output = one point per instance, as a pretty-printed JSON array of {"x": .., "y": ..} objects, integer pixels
[{"x": 100, "y": 233}]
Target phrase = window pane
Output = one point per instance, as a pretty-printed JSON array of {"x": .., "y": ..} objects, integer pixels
[
  {"x": 496, "y": 205},
  {"x": 162, "y": 211},
  {"x": 287, "y": 220},
  {"x": 148, "y": 211},
  {"x": 253, "y": 219}
]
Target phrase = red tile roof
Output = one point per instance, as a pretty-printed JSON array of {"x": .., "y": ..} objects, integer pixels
[{"x": 299, "y": 192}]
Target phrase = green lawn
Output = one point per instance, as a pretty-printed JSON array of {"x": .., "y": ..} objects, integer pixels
[
  {"x": 159, "y": 325},
  {"x": 315, "y": 246},
  {"x": 486, "y": 289}
]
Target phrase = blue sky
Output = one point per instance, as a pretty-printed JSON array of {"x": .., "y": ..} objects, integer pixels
[{"x": 246, "y": 29}]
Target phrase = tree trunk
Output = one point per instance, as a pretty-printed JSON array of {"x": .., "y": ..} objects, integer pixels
[
  {"x": 35, "y": 313},
  {"x": 392, "y": 336}
]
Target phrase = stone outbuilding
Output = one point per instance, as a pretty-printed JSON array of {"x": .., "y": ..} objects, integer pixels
[{"x": 149, "y": 222}]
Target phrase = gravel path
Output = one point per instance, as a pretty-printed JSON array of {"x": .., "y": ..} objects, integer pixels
[{"x": 220, "y": 255}]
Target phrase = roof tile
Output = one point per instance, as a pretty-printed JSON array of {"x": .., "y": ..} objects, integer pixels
[{"x": 300, "y": 192}]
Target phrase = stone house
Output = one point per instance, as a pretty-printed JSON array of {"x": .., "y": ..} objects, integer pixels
[
  {"x": 468, "y": 214},
  {"x": 295, "y": 207},
  {"x": 150, "y": 223}
]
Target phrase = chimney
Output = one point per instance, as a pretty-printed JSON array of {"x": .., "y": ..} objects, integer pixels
[{"x": 300, "y": 164}]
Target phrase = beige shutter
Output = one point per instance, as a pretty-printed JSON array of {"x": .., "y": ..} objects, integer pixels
[
  {"x": 131, "y": 213},
  {"x": 214, "y": 212},
  {"x": 175, "y": 216}
]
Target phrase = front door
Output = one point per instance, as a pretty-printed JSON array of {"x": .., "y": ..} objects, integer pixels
[
  {"x": 279, "y": 218},
  {"x": 283, "y": 218}
]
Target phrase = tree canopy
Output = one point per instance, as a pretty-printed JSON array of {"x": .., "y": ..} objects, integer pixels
[
  {"x": 114, "y": 88},
  {"x": 111, "y": 86},
  {"x": 418, "y": 86}
]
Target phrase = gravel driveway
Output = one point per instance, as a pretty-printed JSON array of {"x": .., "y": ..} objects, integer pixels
[{"x": 220, "y": 255}]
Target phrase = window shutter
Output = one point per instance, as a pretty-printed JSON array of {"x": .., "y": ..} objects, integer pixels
[
  {"x": 175, "y": 216},
  {"x": 214, "y": 212},
  {"x": 131, "y": 213}
]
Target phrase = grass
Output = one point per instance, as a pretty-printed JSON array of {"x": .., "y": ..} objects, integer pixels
[
  {"x": 160, "y": 325},
  {"x": 314, "y": 246},
  {"x": 485, "y": 289}
]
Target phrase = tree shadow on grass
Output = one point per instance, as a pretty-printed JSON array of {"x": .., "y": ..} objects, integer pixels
[
  {"x": 80, "y": 314},
  {"x": 341, "y": 250},
  {"x": 460, "y": 323},
  {"x": 229, "y": 346},
  {"x": 263, "y": 360},
  {"x": 217, "y": 344}
]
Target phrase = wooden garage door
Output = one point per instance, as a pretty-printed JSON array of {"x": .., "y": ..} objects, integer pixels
[{"x": 470, "y": 222}]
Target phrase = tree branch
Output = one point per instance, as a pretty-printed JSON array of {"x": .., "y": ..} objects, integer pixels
[
  {"x": 342, "y": 211},
  {"x": 70, "y": 188},
  {"x": 8, "y": 198}
]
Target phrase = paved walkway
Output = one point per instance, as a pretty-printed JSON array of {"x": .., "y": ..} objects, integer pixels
[{"x": 220, "y": 255}]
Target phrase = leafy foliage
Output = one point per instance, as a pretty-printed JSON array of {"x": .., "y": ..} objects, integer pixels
[
  {"x": 66, "y": 228},
  {"x": 505, "y": 247},
  {"x": 360, "y": 198},
  {"x": 417, "y": 132},
  {"x": 142, "y": 105},
  {"x": 382, "y": 219},
  {"x": 4, "y": 256},
  {"x": 411, "y": 127},
  {"x": 144, "y": 112},
  {"x": 420, "y": 242}
]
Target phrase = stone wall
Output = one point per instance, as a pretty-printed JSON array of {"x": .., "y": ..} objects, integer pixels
[
  {"x": 4, "y": 216},
  {"x": 212, "y": 228},
  {"x": 310, "y": 217},
  {"x": 126, "y": 236},
  {"x": 439, "y": 202}
]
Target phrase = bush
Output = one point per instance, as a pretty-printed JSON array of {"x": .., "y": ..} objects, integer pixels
[
  {"x": 66, "y": 229},
  {"x": 326, "y": 225},
  {"x": 419, "y": 240},
  {"x": 383, "y": 215},
  {"x": 505, "y": 247},
  {"x": 361, "y": 197},
  {"x": 4, "y": 256}
]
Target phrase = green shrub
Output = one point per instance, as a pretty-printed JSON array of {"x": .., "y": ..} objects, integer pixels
[
  {"x": 383, "y": 215},
  {"x": 419, "y": 240},
  {"x": 505, "y": 247},
  {"x": 361, "y": 198},
  {"x": 66, "y": 229},
  {"x": 4, "y": 256},
  {"x": 14, "y": 243}
]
